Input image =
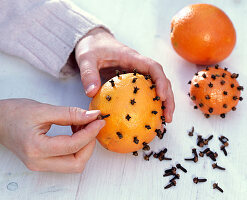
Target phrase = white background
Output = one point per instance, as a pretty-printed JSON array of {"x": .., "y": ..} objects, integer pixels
[{"x": 145, "y": 26}]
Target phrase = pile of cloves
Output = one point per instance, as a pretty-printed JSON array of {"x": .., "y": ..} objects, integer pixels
[
  {"x": 161, "y": 155},
  {"x": 201, "y": 142},
  {"x": 173, "y": 172}
]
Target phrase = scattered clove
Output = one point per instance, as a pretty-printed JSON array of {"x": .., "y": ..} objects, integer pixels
[
  {"x": 205, "y": 141},
  {"x": 173, "y": 169},
  {"x": 192, "y": 131},
  {"x": 199, "y": 180},
  {"x": 200, "y": 142},
  {"x": 147, "y": 156},
  {"x": 223, "y": 149},
  {"x": 146, "y": 147},
  {"x": 179, "y": 166},
  {"x": 215, "y": 186},
  {"x": 215, "y": 166},
  {"x": 173, "y": 183},
  {"x": 135, "y": 153},
  {"x": 194, "y": 152},
  {"x": 175, "y": 176}
]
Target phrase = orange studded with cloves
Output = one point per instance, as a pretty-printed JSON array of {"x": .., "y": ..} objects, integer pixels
[
  {"x": 135, "y": 112},
  {"x": 215, "y": 91}
]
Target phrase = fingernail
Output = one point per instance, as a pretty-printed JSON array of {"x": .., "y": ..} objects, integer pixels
[
  {"x": 90, "y": 88},
  {"x": 92, "y": 113}
]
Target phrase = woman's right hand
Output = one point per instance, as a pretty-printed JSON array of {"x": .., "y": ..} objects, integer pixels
[{"x": 23, "y": 127}]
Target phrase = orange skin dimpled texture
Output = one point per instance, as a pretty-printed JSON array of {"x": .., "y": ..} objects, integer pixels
[
  {"x": 215, "y": 91},
  {"x": 202, "y": 34},
  {"x": 135, "y": 112}
]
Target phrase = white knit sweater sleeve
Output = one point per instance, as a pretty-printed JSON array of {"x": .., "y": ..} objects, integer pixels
[{"x": 43, "y": 32}]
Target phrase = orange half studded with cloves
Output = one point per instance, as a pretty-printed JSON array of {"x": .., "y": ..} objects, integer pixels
[
  {"x": 134, "y": 112},
  {"x": 215, "y": 91}
]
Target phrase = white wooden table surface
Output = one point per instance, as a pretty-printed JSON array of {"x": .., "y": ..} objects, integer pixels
[{"x": 145, "y": 26}]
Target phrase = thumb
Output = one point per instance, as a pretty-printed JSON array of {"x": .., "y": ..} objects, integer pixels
[
  {"x": 66, "y": 116},
  {"x": 90, "y": 76},
  {"x": 65, "y": 144}
]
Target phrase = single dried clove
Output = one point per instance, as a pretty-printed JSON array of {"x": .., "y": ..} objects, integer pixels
[
  {"x": 147, "y": 156},
  {"x": 210, "y": 85},
  {"x": 179, "y": 166},
  {"x": 135, "y": 72},
  {"x": 154, "y": 112},
  {"x": 205, "y": 141},
  {"x": 215, "y": 186},
  {"x": 100, "y": 117},
  {"x": 146, "y": 147},
  {"x": 120, "y": 136},
  {"x": 199, "y": 180},
  {"x": 215, "y": 166},
  {"x": 234, "y": 75},
  {"x": 148, "y": 127},
  {"x": 157, "y": 98},
  {"x": 152, "y": 86},
  {"x": 117, "y": 73},
  {"x": 136, "y": 90},
  {"x": 132, "y": 101},
  {"x": 108, "y": 98},
  {"x": 192, "y": 131},
  {"x": 173, "y": 183},
  {"x": 112, "y": 83},
  {"x": 136, "y": 140},
  {"x": 223, "y": 149},
  {"x": 134, "y": 80},
  {"x": 128, "y": 117},
  {"x": 173, "y": 169}
]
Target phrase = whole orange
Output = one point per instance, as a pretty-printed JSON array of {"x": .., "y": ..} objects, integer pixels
[
  {"x": 135, "y": 112},
  {"x": 202, "y": 34},
  {"x": 215, "y": 91}
]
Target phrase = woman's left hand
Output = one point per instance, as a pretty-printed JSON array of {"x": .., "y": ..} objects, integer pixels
[{"x": 99, "y": 49}]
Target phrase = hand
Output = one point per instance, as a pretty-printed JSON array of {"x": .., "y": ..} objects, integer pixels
[
  {"x": 23, "y": 127},
  {"x": 99, "y": 50}
]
